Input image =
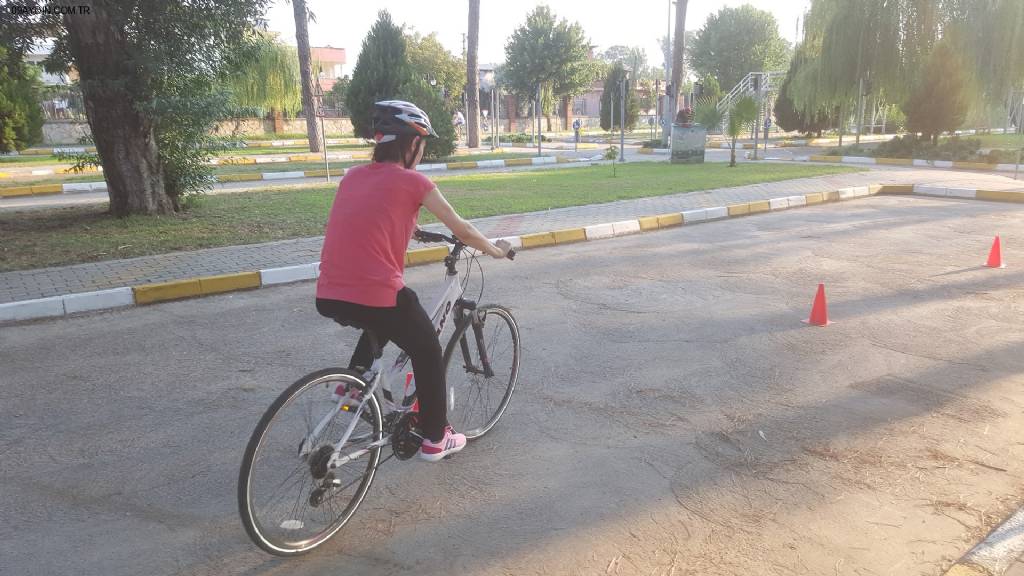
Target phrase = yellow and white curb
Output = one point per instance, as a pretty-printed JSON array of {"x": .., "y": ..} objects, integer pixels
[
  {"x": 918, "y": 163},
  {"x": 710, "y": 146},
  {"x": 236, "y": 160},
  {"x": 54, "y": 171},
  {"x": 206, "y": 285},
  {"x": 54, "y": 151},
  {"x": 996, "y": 553},
  {"x": 287, "y": 143},
  {"x": 46, "y": 189},
  {"x": 803, "y": 142}
]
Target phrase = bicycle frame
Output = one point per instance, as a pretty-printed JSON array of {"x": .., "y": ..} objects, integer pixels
[
  {"x": 442, "y": 312},
  {"x": 446, "y": 306}
]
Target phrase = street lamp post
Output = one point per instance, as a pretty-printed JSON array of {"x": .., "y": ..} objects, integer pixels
[
  {"x": 666, "y": 118},
  {"x": 622, "y": 114},
  {"x": 537, "y": 113},
  {"x": 497, "y": 117},
  {"x": 758, "y": 90}
]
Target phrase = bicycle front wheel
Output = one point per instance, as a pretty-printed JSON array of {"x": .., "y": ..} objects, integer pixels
[
  {"x": 289, "y": 497},
  {"x": 481, "y": 369}
]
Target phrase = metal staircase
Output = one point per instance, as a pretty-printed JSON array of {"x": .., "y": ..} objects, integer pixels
[{"x": 767, "y": 88}]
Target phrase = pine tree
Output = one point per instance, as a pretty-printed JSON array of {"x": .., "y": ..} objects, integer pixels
[
  {"x": 419, "y": 92},
  {"x": 939, "y": 101},
  {"x": 611, "y": 100},
  {"x": 380, "y": 73}
]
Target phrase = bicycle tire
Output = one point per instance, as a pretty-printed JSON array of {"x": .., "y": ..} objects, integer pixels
[
  {"x": 475, "y": 427},
  {"x": 256, "y": 523}
]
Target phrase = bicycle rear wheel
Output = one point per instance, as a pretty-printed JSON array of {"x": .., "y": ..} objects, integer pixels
[
  {"x": 481, "y": 370},
  {"x": 289, "y": 500}
]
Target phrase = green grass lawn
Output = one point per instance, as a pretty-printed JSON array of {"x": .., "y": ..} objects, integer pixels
[
  {"x": 51, "y": 237},
  {"x": 1006, "y": 141},
  {"x": 15, "y": 161}
]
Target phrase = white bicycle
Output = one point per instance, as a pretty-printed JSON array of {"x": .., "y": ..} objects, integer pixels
[{"x": 314, "y": 453}]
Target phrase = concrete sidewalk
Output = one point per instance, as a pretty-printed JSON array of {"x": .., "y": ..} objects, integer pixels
[{"x": 41, "y": 283}]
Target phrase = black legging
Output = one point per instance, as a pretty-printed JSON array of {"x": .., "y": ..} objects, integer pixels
[{"x": 408, "y": 326}]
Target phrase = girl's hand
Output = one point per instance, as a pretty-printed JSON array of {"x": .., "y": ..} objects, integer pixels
[{"x": 503, "y": 247}]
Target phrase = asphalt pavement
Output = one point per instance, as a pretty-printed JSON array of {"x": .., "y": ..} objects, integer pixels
[{"x": 674, "y": 416}]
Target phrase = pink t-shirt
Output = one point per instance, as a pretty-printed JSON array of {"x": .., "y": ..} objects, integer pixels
[{"x": 371, "y": 222}]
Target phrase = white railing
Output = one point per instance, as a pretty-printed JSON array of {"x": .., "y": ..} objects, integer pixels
[{"x": 745, "y": 87}]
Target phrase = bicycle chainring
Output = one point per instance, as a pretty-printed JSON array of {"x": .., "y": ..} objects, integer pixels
[{"x": 406, "y": 437}]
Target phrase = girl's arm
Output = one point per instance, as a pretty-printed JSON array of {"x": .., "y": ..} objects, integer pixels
[{"x": 439, "y": 206}]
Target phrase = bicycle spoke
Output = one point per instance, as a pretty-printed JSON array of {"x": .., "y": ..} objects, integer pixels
[
  {"x": 289, "y": 509},
  {"x": 476, "y": 406}
]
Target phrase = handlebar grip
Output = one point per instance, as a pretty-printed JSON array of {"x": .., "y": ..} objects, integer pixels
[
  {"x": 511, "y": 254},
  {"x": 424, "y": 236}
]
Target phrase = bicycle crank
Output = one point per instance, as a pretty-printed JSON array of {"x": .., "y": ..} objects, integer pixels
[{"x": 405, "y": 437}]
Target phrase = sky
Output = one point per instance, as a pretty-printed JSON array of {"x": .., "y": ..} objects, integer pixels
[{"x": 636, "y": 23}]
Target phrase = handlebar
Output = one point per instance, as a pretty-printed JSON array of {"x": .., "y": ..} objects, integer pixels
[{"x": 425, "y": 236}]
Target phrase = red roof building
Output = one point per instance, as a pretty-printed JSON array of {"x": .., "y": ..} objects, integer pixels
[{"x": 328, "y": 65}]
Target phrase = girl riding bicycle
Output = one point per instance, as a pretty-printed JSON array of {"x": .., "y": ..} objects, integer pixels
[{"x": 363, "y": 260}]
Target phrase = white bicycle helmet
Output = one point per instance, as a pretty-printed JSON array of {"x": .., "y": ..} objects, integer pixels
[{"x": 393, "y": 118}]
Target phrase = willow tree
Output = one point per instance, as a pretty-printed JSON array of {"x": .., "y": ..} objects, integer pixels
[
  {"x": 881, "y": 48},
  {"x": 853, "y": 49},
  {"x": 993, "y": 42},
  {"x": 860, "y": 52},
  {"x": 267, "y": 76}
]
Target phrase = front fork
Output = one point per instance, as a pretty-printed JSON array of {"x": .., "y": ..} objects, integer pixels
[{"x": 476, "y": 319}]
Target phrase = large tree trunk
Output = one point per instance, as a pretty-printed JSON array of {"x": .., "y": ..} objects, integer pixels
[
  {"x": 306, "y": 72},
  {"x": 473, "y": 75},
  {"x": 125, "y": 138},
  {"x": 677, "y": 66}
]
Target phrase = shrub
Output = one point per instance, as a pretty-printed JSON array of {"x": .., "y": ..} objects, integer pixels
[
  {"x": 521, "y": 138},
  {"x": 912, "y": 147}
]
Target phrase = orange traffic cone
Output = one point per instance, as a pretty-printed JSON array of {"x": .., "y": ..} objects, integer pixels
[
  {"x": 995, "y": 256},
  {"x": 819, "y": 311}
]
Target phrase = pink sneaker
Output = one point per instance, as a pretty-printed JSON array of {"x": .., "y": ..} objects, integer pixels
[{"x": 451, "y": 443}]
